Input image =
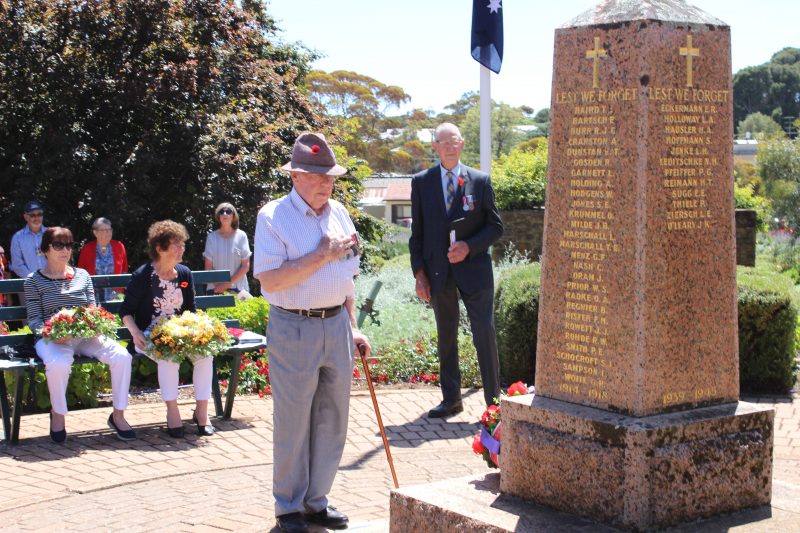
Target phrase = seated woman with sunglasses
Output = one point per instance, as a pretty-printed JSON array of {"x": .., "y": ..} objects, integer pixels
[
  {"x": 227, "y": 248},
  {"x": 48, "y": 290}
]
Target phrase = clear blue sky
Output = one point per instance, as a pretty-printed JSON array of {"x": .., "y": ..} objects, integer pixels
[{"x": 423, "y": 45}]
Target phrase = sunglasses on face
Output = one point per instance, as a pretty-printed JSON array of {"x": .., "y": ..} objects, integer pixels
[
  {"x": 58, "y": 246},
  {"x": 226, "y": 211}
]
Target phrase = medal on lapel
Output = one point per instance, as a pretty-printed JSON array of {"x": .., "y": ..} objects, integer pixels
[{"x": 469, "y": 204}]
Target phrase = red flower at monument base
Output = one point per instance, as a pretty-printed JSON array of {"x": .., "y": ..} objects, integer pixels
[
  {"x": 487, "y": 443},
  {"x": 477, "y": 445}
]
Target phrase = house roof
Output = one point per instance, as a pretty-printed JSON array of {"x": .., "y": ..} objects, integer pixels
[{"x": 386, "y": 189}]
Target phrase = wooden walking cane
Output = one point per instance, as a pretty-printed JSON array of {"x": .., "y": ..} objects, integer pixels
[{"x": 362, "y": 351}]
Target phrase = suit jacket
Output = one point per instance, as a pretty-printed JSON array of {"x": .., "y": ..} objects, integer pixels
[{"x": 430, "y": 229}]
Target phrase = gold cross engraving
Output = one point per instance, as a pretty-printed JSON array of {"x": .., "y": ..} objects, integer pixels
[
  {"x": 595, "y": 55},
  {"x": 689, "y": 52}
]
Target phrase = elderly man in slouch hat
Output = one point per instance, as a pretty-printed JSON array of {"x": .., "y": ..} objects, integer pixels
[{"x": 306, "y": 256}]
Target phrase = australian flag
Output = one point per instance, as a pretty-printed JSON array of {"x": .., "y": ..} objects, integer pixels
[{"x": 487, "y": 33}]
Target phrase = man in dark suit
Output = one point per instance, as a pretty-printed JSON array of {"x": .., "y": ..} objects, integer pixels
[{"x": 447, "y": 196}]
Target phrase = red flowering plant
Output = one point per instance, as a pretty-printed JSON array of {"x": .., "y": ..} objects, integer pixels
[
  {"x": 253, "y": 375},
  {"x": 487, "y": 443},
  {"x": 81, "y": 322},
  {"x": 407, "y": 362}
]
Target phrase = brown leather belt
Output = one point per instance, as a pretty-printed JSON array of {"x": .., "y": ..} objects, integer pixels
[{"x": 328, "y": 312}]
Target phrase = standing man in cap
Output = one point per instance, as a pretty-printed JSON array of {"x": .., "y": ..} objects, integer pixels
[
  {"x": 454, "y": 222},
  {"x": 306, "y": 255},
  {"x": 26, "y": 253}
]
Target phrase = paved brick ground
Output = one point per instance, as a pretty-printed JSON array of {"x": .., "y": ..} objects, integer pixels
[{"x": 222, "y": 483}]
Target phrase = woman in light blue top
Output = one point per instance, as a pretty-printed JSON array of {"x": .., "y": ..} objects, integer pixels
[{"x": 227, "y": 248}]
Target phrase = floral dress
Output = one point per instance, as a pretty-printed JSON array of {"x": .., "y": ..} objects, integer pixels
[{"x": 167, "y": 299}]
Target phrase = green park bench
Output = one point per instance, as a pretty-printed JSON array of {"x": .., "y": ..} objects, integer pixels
[{"x": 18, "y": 355}]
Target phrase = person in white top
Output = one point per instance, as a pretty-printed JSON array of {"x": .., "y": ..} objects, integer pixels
[
  {"x": 306, "y": 255},
  {"x": 227, "y": 248}
]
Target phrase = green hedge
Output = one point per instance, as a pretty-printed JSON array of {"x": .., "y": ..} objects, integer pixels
[
  {"x": 768, "y": 327},
  {"x": 767, "y": 323},
  {"x": 516, "y": 317}
]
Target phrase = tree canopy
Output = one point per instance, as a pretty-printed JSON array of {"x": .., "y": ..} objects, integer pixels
[
  {"x": 779, "y": 168},
  {"x": 772, "y": 89},
  {"x": 357, "y": 105},
  {"x": 759, "y": 125},
  {"x": 141, "y": 110}
]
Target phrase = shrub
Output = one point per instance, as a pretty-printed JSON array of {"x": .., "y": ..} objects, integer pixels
[
  {"x": 767, "y": 329},
  {"x": 416, "y": 361},
  {"x": 781, "y": 253},
  {"x": 747, "y": 199},
  {"x": 519, "y": 179},
  {"x": 516, "y": 316},
  {"x": 252, "y": 314}
]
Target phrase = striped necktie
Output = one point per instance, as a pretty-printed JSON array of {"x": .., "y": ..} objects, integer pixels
[{"x": 451, "y": 190}]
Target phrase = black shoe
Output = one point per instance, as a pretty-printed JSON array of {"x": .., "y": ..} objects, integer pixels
[
  {"x": 446, "y": 409},
  {"x": 57, "y": 436},
  {"x": 122, "y": 434},
  {"x": 292, "y": 523},
  {"x": 328, "y": 517},
  {"x": 203, "y": 431},
  {"x": 175, "y": 433}
]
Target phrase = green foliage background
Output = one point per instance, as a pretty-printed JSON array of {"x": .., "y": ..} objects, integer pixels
[
  {"x": 520, "y": 178},
  {"x": 767, "y": 324},
  {"x": 517, "y": 316},
  {"x": 141, "y": 110}
]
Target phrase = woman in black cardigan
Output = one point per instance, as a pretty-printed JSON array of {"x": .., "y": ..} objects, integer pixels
[{"x": 158, "y": 290}]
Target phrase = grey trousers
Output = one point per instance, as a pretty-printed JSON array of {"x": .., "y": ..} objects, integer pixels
[{"x": 311, "y": 369}]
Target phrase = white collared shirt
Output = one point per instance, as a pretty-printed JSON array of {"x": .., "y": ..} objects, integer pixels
[
  {"x": 288, "y": 229},
  {"x": 456, "y": 173}
]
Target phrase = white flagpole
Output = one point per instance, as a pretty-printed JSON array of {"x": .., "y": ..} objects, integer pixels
[{"x": 486, "y": 120}]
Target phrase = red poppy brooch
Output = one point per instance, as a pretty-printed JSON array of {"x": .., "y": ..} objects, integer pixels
[
  {"x": 315, "y": 149},
  {"x": 184, "y": 284}
]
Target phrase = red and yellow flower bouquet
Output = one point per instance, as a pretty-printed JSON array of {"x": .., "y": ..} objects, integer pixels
[{"x": 83, "y": 322}]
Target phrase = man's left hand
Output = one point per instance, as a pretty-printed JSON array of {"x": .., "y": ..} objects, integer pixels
[
  {"x": 359, "y": 339},
  {"x": 458, "y": 251}
]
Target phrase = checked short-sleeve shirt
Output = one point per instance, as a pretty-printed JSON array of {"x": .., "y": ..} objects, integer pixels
[{"x": 288, "y": 229}]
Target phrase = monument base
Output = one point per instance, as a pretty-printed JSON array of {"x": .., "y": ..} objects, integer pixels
[
  {"x": 637, "y": 473},
  {"x": 474, "y": 504}
]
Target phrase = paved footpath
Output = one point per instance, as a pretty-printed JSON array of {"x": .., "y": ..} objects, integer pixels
[{"x": 222, "y": 483}]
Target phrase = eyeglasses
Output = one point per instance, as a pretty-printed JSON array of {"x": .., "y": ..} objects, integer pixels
[
  {"x": 104, "y": 230},
  {"x": 449, "y": 144},
  {"x": 225, "y": 211},
  {"x": 58, "y": 245},
  {"x": 38, "y": 214},
  {"x": 178, "y": 244}
]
